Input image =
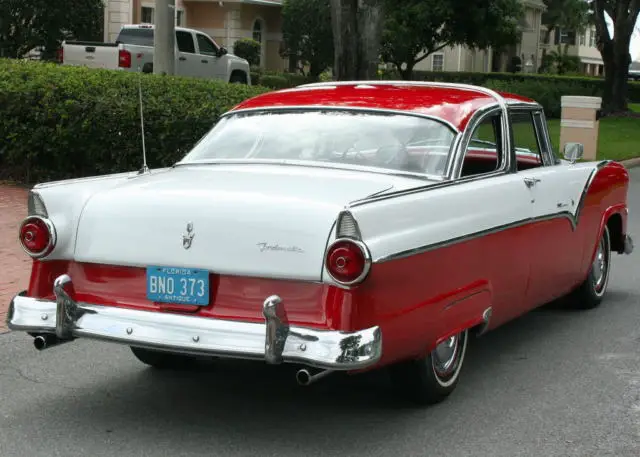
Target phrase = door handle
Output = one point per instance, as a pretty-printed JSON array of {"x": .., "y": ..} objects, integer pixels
[
  {"x": 204, "y": 61},
  {"x": 182, "y": 58},
  {"x": 530, "y": 182}
]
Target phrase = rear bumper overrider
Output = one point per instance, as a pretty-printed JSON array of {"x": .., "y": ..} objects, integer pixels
[{"x": 273, "y": 340}]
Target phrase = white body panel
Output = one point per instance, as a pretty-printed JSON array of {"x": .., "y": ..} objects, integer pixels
[
  {"x": 236, "y": 208},
  {"x": 233, "y": 208},
  {"x": 399, "y": 225}
]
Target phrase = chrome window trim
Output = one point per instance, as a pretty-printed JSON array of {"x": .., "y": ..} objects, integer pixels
[
  {"x": 531, "y": 111},
  {"x": 461, "y": 151}
]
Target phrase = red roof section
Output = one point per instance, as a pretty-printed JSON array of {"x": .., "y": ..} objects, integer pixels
[{"x": 455, "y": 105}]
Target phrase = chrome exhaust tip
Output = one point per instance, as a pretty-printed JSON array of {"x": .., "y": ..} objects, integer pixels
[
  {"x": 305, "y": 378},
  {"x": 42, "y": 342}
]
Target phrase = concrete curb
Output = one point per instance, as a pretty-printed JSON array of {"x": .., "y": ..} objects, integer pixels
[{"x": 631, "y": 163}]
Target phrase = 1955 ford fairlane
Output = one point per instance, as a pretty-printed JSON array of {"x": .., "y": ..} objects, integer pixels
[{"x": 336, "y": 226}]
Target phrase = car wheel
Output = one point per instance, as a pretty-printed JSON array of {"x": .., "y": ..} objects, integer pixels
[
  {"x": 164, "y": 360},
  {"x": 589, "y": 294},
  {"x": 238, "y": 78},
  {"x": 432, "y": 379}
]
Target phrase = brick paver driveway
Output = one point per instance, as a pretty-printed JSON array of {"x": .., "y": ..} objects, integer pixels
[{"x": 14, "y": 263}]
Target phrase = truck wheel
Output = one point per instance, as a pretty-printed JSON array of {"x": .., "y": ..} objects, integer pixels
[
  {"x": 147, "y": 68},
  {"x": 164, "y": 360},
  {"x": 238, "y": 77},
  {"x": 589, "y": 294},
  {"x": 432, "y": 379}
]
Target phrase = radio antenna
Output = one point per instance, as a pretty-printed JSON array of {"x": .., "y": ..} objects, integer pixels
[{"x": 145, "y": 168}]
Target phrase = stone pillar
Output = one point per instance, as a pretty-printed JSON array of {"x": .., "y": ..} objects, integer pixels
[{"x": 580, "y": 123}]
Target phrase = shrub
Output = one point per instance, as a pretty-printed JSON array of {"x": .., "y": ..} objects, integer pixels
[
  {"x": 61, "y": 122},
  {"x": 248, "y": 49}
]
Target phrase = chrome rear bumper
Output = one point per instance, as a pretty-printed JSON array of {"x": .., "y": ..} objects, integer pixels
[{"x": 274, "y": 341}]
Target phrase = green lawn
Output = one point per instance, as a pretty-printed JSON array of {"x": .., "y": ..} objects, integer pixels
[
  {"x": 618, "y": 138},
  {"x": 635, "y": 107}
]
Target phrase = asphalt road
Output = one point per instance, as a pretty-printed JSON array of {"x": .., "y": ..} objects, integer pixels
[{"x": 552, "y": 383}]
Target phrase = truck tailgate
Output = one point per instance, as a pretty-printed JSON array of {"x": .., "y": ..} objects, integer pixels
[{"x": 93, "y": 55}]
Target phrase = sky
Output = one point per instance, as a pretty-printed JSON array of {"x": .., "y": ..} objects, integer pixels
[{"x": 634, "y": 48}]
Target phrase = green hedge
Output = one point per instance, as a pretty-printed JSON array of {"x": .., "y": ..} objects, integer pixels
[{"x": 61, "y": 122}]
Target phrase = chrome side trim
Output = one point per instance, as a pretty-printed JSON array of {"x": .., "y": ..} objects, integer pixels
[
  {"x": 573, "y": 220},
  {"x": 274, "y": 340}
]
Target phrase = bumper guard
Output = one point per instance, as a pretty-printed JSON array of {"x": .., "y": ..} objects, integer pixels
[{"x": 274, "y": 341}]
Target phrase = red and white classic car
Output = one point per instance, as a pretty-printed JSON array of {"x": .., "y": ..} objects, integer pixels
[{"x": 336, "y": 226}]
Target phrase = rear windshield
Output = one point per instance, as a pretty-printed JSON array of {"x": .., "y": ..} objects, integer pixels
[
  {"x": 137, "y": 37},
  {"x": 393, "y": 141}
]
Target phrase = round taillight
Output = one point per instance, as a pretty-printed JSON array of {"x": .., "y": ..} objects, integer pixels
[
  {"x": 37, "y": 236},
  {"x": 348, "y": 261}
]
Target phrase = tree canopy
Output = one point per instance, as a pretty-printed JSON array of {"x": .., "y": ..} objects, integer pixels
[
  {"x": 414, "y": 29},
  {"x": 307, "y": 33},
  {"x": 27, "y": 24}
]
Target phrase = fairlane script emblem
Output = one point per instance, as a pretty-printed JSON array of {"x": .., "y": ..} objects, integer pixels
[
  {"x": 187, "y": 238},
  {"x": 276, "y": 247}
]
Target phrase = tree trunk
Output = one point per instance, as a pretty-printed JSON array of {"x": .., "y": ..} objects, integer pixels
[
  {"x": 615, "y": 51},
  {"x": 407, "y": 72},
  {"x": 344, "y": 22},
  {"x": 370, "y": 16},
  {"x": 357, "y": 30}
]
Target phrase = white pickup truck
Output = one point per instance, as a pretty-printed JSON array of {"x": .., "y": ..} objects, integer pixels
[{"x": 197, "y": 55}]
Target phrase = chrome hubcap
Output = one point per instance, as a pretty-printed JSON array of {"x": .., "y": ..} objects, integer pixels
[
  {"x": 445, "y": 355},
  {"x": 600, "y": 265}
]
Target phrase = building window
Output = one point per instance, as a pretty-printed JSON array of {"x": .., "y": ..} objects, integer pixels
[
  {"x": 583, "y": 38},
  {"x": 592, "y": 38},
  {"x": 146, "y": 15},
  {"x": 258, "y": 33},
  {"x": 437, "y": 62},
  {"x": 257, "y": 30}
]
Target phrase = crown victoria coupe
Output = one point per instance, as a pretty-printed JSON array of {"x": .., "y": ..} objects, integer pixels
[{"x": 335, "y": 226}]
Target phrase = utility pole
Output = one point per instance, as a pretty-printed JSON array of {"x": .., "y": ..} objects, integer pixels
[{"x": 164, "y": 37}]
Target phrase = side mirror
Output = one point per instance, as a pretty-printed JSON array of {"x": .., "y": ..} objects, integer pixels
[
  {"x": 573, "y": 151},
  {"x": 221, "y": 51}
]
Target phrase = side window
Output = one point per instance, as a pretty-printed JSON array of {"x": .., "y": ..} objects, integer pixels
[
  {"x": 185, "y": 42},
  {"x": 525, "y": 140},
  {"x": 484, "y": 153},
  {"x": 205, "y": 45}
]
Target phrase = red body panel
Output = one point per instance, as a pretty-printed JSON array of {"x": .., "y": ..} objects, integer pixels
[{"x": 454, "y": 105}]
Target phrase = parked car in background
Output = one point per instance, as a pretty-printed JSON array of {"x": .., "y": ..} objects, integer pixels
[
  {"x": 197, "y": 54},
  {"x": 340, "y": 226}
]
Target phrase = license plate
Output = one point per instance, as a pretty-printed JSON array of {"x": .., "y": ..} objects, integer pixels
[{"x": 186, "y": 286}]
